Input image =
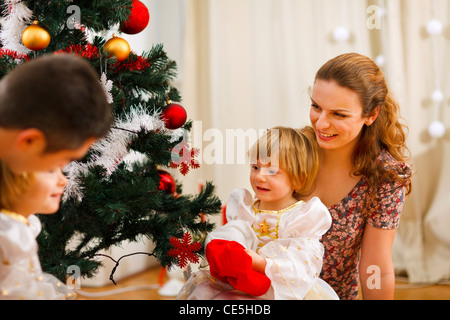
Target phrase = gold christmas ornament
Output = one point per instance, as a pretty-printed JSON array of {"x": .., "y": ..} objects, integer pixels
[
  {"x": 117, "y": 47},
  {"x": 35, "y": 38}
]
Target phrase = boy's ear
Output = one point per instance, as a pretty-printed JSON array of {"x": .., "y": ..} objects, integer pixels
[{"x": 31, "y": 140}]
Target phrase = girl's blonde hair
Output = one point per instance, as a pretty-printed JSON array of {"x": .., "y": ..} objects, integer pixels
[
  {"x": 296, "y": 153},
  {"x": 12, "y": 185}
]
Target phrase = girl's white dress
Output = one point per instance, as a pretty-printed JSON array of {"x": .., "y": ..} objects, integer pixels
[
  {"x": 21, "y": 275},
  {"x": 289, "y": 239}
]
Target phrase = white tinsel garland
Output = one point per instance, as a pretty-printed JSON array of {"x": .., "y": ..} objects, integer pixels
[
  {"x": 107, "y": 86},
  {"x": 111, "y": 151},
  {"x": 17, "y": 17}
]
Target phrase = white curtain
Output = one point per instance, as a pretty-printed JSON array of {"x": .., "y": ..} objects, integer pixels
[{"x": 248, "y": 64}]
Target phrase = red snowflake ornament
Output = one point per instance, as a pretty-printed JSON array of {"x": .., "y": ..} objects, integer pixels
[
  {"x": 186, "y": 158},
  {"x": 184, "y": 250}
]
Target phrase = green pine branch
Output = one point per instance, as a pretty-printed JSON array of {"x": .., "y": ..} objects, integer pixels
[{"x": 126, "y": 205}]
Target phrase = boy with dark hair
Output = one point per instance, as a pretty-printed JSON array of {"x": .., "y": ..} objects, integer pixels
[{"x": 51, "y": 111}]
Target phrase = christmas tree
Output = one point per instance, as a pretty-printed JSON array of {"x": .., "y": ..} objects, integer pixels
[{"x": 109, "y": 199}]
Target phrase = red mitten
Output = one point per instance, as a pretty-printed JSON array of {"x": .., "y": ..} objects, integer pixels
[{"x": 229, "y": 263}]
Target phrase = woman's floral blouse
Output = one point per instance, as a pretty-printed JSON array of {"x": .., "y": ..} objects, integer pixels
[{"x": 343, "y": 240}]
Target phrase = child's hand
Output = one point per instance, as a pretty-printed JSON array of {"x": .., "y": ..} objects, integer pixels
[{"x": 258, "y": 262}]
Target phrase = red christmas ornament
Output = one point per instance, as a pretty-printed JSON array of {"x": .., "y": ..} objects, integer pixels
[
  {"x": 174, "y": 116},
  {"x": 137, "y": 20},
  {"x": 166, "y": 182}
]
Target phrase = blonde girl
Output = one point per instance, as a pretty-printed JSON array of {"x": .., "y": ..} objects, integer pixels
[
  {"x": 270, "y": 247},
  {"x": 22, "y": 195}
]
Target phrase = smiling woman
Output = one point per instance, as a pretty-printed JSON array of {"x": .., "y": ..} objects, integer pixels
[
  {"x": 363, "y": 177},
  {"x": 336, "y": 115}
]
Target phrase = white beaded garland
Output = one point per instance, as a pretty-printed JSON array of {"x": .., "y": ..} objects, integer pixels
[
  {"x": 380, "y": 60},
  {"x": 434, "y": 27},
  {"x": 436, "y": 129},
  {"x": 341, "y": 34},
  {"x": 437, "y": 96}
]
